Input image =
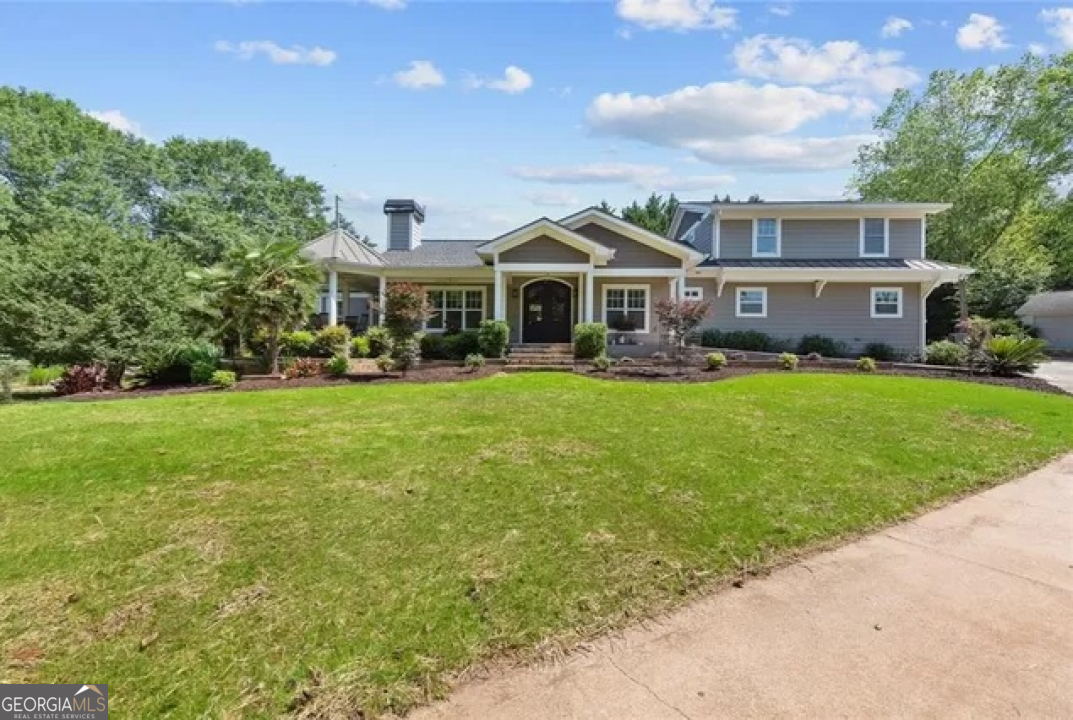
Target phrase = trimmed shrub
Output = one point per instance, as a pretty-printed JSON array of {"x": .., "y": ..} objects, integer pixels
[
  {"x": 945, "y": 352},
  {"x": 302, "y": 367},
  {"x": 460, "y": 345},
  {"x": 174, "y": 365},
  {"x": 11, "y": 369},
  {"x": 493, "y": 337},
  {"x": 223, "y": 379},
  {"x": 748, "y": 340},
  {"x": 434, "y": 346},
  {"x": 82, "y": 379},
  {"x": 866, "y": 364},
  {"x": 385, "y": 362},
  {"x": 590, "y": 340},
  {"x": 821, "y": 344},
  {"x": 715, "y": 360},
  {"x": 788, "y": 361},
  {"x": 601, "y": 363},
  {"x": 298, "y": 343},
  {"x": 474, "y": 361},
  {"x": 42, "y": 375},
  {"x": 881, "y": 351},
  {"x": 331, "y": 341},
  {"x": 201, "y": 372},
  {"x": 813, "y": 357},
  {"x": 1011, "y": 327},
  {"x": 379, "y": 341},
  {"x": 359, "y": 347},
  {"x": 1008, "y": 355},
  {"x": 406, "y": 353},
  {"x": 338, "y": 366}
]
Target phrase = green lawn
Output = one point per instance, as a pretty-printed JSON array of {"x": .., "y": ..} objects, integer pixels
[{"x": 253, "y": 554}]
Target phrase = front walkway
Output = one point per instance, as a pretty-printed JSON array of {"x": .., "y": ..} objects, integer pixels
[
  {"x": 1058, "y": 373},
  {"x": 965, "y": 611}
]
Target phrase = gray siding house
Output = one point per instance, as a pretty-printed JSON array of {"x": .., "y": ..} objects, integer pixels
[{"x": 856, "y": 272}]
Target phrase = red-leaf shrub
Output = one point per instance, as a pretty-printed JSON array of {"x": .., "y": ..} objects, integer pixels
[
  {"x": 303, "y": 367},
  {"x": 82, "y": 379}
]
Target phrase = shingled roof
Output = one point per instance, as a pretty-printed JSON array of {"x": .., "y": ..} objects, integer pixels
[
  {"x": 437, "y": 254},
  {"x": 1049, "y": 304}
]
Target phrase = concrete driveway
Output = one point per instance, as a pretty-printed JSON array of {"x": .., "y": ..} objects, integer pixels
[
  {"x": 967, "y": 611},
  {"x": 1058, "y": 373}
]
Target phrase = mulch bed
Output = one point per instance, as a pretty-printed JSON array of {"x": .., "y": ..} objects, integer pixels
[
  {"x": 628, "y": 373},
  {"x": 693, "y": 374}
]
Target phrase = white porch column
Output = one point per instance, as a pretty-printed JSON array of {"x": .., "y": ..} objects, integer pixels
[
  {"x": 501, "y": 296},
  {"x": 589, "y": 293},
  {"x": 381, "y": 299},
  {"x": 333, "y": 297}
]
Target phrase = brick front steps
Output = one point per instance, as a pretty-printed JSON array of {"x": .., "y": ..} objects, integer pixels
[{"x": 544, "y": 354}]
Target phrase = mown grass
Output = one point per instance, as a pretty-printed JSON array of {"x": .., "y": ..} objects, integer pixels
[{"x": 310, "y": 551}]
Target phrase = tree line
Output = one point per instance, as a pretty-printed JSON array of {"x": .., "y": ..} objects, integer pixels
[{"x": 98, "y": 228}]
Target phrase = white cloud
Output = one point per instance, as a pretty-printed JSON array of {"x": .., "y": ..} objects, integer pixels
[
  {"x": 895, "y": 26},
  {"x": 841, "y": 63},
  {"x": 719, "y": 110},
  {"x": 785, "y": 10},
  {"x": 1037, "y": 48},
  {"x": 387, "y": 4},
  {"x": 1059, "y": 22},
  {"x": 514, "y": 81},
  {"x": 981, "y": 32},
  {"x": 422, "y": 74},
  {"x": 359, "y": 199},
  {"x": 552, "y": 198},
  {"x": 294, "y": 55},
  {"x": 677, "y": 14},
  {"x": 775, "y": 154},
  {"x": 732, "y": 124},
  {"x": 645, "y": 177},
  {"x": 118, "y": 121}
]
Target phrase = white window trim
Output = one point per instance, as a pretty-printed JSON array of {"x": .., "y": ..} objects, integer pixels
[
  {"x": 778, "y": 238},
  {"x": 886, "y": 239},
  {"x": 648, "y": 303},
  {"x": 698, "y": 293},
  {"x": 484, "y": 304},
  {"x": 737, "y": 302},
  {"x": 872, "y": 303}
]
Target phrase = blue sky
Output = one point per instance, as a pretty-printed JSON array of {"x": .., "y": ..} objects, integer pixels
[{"x": 496, "y": 113}]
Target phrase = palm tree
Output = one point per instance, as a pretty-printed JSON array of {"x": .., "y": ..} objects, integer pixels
[{"x": 260, "y": 285}]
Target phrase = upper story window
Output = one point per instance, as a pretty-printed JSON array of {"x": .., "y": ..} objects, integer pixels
[
  {"x": 455, "y": 308},
  {"x": 766, "y": 237},
  {"x": 875, "y": 237},
  {"x": 693, "y": 293}
]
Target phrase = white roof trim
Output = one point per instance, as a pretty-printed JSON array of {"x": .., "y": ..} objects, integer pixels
[
  {"x": 545, "y": 226},
  {"x": 633, "y": 232},
  {"x": 806, "y": 210},
  {"x": 799, "y": 275}
]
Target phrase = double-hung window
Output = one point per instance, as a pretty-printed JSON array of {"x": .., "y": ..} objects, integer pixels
[
  {"x": 875, "y": 237},
  {"x": 752, "y": 302},
  {"x": 626, "y": 307},
  {"x": 455, "y": 309},
  {"x": 766, "y": 237},
  {"x": 886, "y": 302}
]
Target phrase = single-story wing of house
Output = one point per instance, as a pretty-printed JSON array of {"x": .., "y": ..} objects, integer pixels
[
  {"x": 1052, "y": 314},
  {"x": 856, "y": 272}
]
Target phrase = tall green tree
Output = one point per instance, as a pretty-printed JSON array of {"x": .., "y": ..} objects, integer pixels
[
  {"x": 655, "y": 215},
  {"x": 261, "y": 285},
  {"x": 995, "y": 143},
  {"x": 94, "y": 295}
]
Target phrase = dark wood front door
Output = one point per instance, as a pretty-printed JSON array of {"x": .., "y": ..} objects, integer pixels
[{"x": 546, "y": 312}]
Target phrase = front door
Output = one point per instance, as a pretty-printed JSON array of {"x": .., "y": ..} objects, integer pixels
[{"x": 546, "y": 312}]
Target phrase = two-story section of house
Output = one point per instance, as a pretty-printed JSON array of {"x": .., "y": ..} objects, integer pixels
[{"x": 853, "y": 271}]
